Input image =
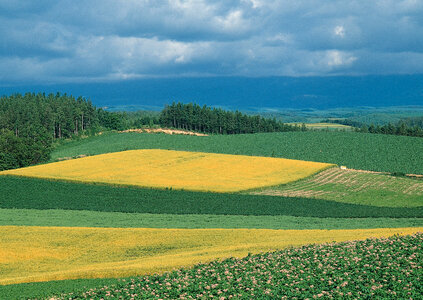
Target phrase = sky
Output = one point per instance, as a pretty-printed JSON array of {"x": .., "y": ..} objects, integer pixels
[{"x": 98, "y": 41}]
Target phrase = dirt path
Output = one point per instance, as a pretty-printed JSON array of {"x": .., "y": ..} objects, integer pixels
[{"x": 164, "y": 130}]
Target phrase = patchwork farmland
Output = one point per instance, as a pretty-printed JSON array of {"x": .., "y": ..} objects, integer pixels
[
  {"x": 215, "y": 215},
  {"x": 199, "y": 149}
]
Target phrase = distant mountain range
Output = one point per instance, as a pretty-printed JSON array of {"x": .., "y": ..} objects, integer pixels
[{"x": 270, "y": 93}]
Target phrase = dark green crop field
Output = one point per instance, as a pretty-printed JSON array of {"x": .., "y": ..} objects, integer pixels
[
  {"x": 385, "y": 153},
  {"x": 85, "y": 218},
  {"x": 44, "y": 290},
  {"x": 19, "y": 192}
]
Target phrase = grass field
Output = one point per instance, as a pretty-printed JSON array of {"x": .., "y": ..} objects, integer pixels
[
  {"x": 30, "y": 253},
  {"x": 44, "y": 194},
  {"x": 385, "y": 153},
  {"x": 176, "y": 169},
  {"x": 355, "y": 187},
  {"x": 82, "y": 218}
]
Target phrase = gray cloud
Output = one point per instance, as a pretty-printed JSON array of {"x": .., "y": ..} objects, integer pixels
[{"x": 111, "y": 40}]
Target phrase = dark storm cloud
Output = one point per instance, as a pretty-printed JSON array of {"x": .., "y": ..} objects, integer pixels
[{"x": 108, "y": 40}]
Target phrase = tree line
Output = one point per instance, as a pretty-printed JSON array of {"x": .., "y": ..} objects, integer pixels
[
  {"x": 218, "y": 121},
  {"x": 398, "y": 129},
  {"x": 406, "y": 127}
]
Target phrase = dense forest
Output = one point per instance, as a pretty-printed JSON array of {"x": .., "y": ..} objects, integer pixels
[
  {"x": 407, "y": 127},
  {"x": 215, "y": 120},
  {"x": 31, "y": 123}
]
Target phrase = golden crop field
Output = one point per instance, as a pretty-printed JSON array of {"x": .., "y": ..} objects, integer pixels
[
  {"x": 195, "y": 171},
  {"x": 31, "y": 254}
]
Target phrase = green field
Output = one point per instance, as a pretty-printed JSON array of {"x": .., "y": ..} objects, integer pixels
[
  {"x": 45, "y": 194},
  {"x": 374, "y": 152},
  {"x": 83, "y": 218},
  {"x": 349, "y": 186}
]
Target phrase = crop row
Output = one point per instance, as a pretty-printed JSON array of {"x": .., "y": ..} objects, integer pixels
[
  {"x": 374, "y": 268},
  {"x": 30, "y": 193},
  {"x": 375, "y": 152}
]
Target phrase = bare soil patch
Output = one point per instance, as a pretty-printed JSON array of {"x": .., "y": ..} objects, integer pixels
[{"x": 164, "y": 130}]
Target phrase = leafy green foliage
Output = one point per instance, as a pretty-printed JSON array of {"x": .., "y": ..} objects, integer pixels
[
  {"x": 45, "y": 194},
  {"x": 373, "y": 268},
  {"x": 374, "y": 152}
]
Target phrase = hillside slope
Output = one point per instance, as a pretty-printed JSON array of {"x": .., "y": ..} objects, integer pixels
[{"x": 385, "y": 153}]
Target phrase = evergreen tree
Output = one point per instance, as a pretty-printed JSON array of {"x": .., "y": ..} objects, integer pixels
[{"x": 218, "y": 121}]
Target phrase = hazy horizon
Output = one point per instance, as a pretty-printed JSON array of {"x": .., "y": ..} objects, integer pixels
[
  {"x": 274, "y": 53},
  {"x": 247, "y": 93}
]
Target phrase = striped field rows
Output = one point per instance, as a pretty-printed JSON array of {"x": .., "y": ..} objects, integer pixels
[{"x": 356, "y": 187}]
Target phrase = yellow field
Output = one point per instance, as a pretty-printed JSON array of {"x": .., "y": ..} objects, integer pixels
[
  {"x": 30, "y": 254},
  {"x": 177, "y": 169}
]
